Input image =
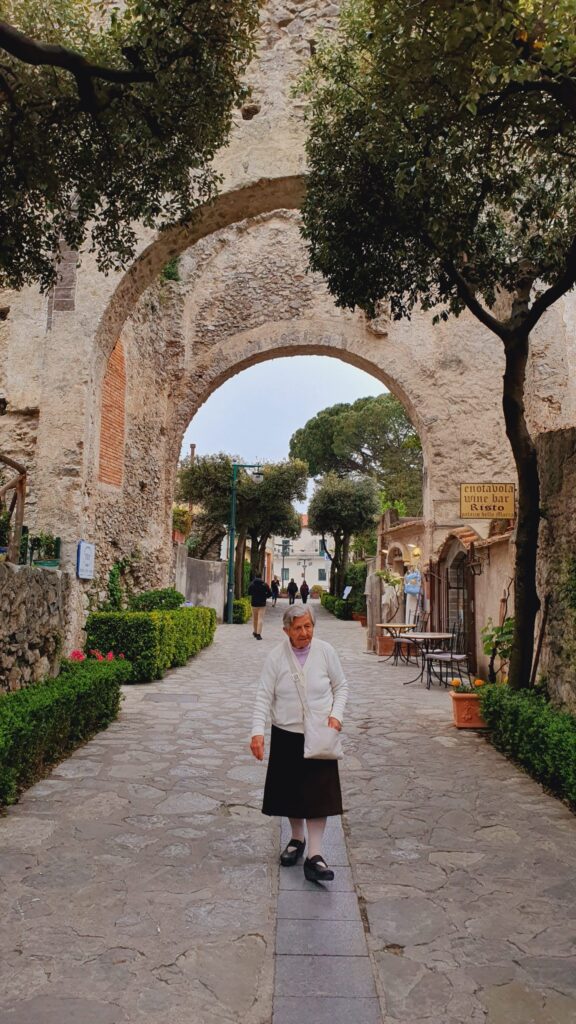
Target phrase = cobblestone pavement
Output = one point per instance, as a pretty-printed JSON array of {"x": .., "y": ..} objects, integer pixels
[{"x": 139, "y": 882}]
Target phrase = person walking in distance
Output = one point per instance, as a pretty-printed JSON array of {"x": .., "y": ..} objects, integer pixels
[
  {"x": 258, "y": 591},
  {"x": 304, "y": 591},
  {"x": 305, "y": 790},
  {"x": 275, "y": 588},
  {"x": 292, "y": 589}
]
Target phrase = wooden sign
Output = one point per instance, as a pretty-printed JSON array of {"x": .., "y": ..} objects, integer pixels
[{"x": 487, "y": 501}]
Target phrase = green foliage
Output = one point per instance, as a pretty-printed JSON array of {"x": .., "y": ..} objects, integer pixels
[
  {"x": 356, "y": 578},
  {"x": 497, "y": 642},
  {"x": 181, "y": 520},
  {"x": 341, "y": 609},
  {"x": 124, "y": 130},
  {"x": 151, "y": 641},
  {"x": 535, "y": 734},
  {"x": 43, "y": 546},
  {"x": 44, "y": 723},
  {"x": 156, "y": 600},
  {"x": 170, "y": 270},
  {"x": 115, "y": 592},
  {"x": 342, "y": 507},
  {"x": 241, "y": 610},
  {"x": 4, "y": 527},
  {"x": 245, "y": 578},
  {"x": 372, "y": 437}
]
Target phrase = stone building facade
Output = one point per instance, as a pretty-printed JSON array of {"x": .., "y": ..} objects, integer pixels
[{"x": 99, "y": 380}]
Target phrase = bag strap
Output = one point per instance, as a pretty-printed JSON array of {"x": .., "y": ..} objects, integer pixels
[{"x": 297, "y": 677}]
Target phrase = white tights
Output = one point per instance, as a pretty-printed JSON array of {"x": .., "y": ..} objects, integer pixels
[{"x": 316, "y": 827}]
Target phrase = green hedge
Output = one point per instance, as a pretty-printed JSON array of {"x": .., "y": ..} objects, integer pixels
[
  {"x": 151, "y": 641},
  {"x": 44, "y": 723},
  {"x": 534, "y": 733},
  {"x": 340, "y": 608},
  {"x": 164, "y": 600},
  {"x": 241, "y": 610}
]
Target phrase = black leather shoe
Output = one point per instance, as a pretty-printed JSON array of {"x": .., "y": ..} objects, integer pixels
[
  {"x": 258, "y": 636},
  {"x": 315, "y": 870},
  {"x": 292, "y": 853}
]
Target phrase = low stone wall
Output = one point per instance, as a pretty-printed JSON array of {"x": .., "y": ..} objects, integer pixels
[
  {"x": 32, "y": 620},
  {"x": 200, "y": 581},
  {"x": 557, "y": 561}
]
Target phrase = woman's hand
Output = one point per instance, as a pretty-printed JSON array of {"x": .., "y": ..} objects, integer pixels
[
  {"x": 335, "y": 724},
  {"x": 257, "y": 747}
]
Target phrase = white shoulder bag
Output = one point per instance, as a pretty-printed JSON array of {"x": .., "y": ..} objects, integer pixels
[{"x": 321, "y": 742}]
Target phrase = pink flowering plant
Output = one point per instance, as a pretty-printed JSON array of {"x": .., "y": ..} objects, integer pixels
[{"x": 96, "y": 655}]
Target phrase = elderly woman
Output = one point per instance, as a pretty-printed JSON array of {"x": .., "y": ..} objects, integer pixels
[{"x": 298, "y": 788}]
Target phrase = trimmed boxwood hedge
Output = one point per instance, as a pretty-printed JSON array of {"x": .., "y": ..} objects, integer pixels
[
  {"x": 151, "y": 641},
  {"x": 540, "y": 737},
  {"x": 241, "y": 610},
  {"x": 45, "y": 722},
  {"x": 164, "y": 600},
  {"x": 340, "y": 608}
]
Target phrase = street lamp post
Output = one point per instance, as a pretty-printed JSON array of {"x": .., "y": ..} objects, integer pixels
[{"x": 236, "y": 466}]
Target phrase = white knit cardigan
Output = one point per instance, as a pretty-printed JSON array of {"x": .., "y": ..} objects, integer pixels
[{"x": 277, "y": 696}]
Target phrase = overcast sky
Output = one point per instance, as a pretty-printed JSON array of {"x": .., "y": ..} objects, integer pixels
[{"x": 254, "y": 414}]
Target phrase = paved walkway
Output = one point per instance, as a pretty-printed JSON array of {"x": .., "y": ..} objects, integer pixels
[{"x": 139, "y": 882}]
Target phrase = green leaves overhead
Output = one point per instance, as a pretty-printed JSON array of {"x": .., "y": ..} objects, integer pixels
[
  {"x": 442, "y": 147},
  {"x": 109, "y": 114}
]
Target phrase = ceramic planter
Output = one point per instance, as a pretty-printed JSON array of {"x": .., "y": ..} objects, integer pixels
[
  {"x": 466, "y": 711},
  {"x": 385, "y": 645}
]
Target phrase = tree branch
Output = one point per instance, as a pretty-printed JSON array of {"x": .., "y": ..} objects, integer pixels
[
  {"x": 31, "y": 51},
  {"x": 471, "y": 302},
  {"x": 565, "y": 282}
]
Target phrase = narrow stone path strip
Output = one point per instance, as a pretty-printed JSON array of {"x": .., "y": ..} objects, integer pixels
[{"x": 323, "y": 972}]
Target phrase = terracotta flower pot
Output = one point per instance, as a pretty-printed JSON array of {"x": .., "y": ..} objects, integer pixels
[
  {"x": 364, "y": 621},
  {"x": 466, "y": 711},
  {"x": 385, "y": 645}
]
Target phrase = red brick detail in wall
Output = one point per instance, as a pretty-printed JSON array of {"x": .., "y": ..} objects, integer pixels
[{"x": 113, "y": 420}]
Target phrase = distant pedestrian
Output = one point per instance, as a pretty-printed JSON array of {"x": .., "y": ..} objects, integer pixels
[
  {"x": 304, "y": 591},
  {"x": 275, "y": 588},
  {"x": 259, "y": 591},
  {"x": 292, "y": 589}
]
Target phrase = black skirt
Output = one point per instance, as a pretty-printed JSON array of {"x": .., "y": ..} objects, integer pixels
[{"x": 298, "y": 788}]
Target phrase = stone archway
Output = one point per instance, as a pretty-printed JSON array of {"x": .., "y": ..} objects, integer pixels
[{"x": 245, "y": 296}]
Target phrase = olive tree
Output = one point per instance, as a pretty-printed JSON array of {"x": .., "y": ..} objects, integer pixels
[{"x": 441, "y": 148}]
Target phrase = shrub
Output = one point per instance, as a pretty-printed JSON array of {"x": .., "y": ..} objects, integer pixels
[
  {"x": 156, "y": 600},
  {"x": 152, "y": 641},
  {"x": 241, "y": 610},
  {"x": 342, "y": 609},
  {"x": 328, "y": 601},
  {"x": 534, "y": 733},
  {"x": 356, "y": 578},
  {"x": 44, "y": 723},
  {"x": 316, "y": 590}
]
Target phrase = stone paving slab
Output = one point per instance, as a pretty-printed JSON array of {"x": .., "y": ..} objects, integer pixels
[
  {"x": 328, "y": 976},
  {"x": 317, "y": 1010},
  {"x": 313, "y": 937}
]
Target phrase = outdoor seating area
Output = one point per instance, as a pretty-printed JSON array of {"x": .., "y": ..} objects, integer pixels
[{"x": 438, "y": 655}]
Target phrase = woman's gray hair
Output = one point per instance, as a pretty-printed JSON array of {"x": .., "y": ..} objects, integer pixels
[{"x": 296, "y": 611}]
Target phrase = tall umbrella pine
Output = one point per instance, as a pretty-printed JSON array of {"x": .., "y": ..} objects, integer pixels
[
  {"x": 442, "y": 141},
  {"x": 341, "y": 507}
]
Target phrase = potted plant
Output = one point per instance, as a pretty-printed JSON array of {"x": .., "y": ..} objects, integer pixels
[
  {"x": 45, "y": 551},
  {"x": 466, "y": 704}
]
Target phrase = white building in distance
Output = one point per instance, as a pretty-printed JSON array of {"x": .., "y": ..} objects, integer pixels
[{"x": 303, "y": 558}]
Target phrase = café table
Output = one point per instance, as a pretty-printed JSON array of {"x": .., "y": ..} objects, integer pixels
[
  {"x": 395, "y": 629},
  {"x": 424, "y": 641}
]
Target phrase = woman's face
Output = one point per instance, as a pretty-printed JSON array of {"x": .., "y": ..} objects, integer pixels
[{"x": 300, "y": 631}]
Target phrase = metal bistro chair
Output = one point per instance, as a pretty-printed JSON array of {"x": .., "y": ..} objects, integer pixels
[
  {"x": 455, "y": 660},
  {"x": 403, "y": 648}
]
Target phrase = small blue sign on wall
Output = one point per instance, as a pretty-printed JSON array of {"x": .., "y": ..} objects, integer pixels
[{"x": 85, "y": 558}]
